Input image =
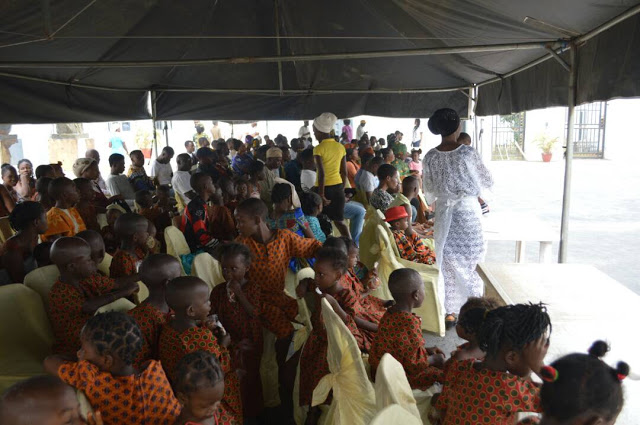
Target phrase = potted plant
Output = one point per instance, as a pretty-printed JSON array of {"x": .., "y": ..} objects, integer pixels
[
  {"x": 144, "y": 140},
  {"x": 546, "y": 144}
]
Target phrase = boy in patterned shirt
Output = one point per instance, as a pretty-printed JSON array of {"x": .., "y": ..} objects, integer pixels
[
  {"x": 156, "y": 271},
  {"x": 79, "y": 292},
  {"x": 133, "y": 231},
  {"x": 192, "y": 329},
  {"x": 411, "y": 246},
  {"x": 105, "y": 373},
  {"x": 400, "y": 333}
]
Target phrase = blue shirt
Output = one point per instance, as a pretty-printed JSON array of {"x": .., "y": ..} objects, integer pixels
[{"x": 314, "y": 225}]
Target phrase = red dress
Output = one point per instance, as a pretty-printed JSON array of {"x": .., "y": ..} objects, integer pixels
[
  {"x": 400, "y": 335},
  {"x": 174, "y": 345},
  {"x": 150, "y": 321},
  {"x": 471, "y": 395},
  {"x": 241, "y": 326},
  {"x": 369, "y": 302},
  {"x": 145, "y": 398},
  {"x": 125, "y": 264},
  {"x": 268, "y": 269},
  {"x": 65, "y": 310}
]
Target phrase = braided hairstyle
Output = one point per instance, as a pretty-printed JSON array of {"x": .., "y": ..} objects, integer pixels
[
  {"x": 472, "y": 313},
  {"x": 115, "y": 333},
  {"x": 584, "y": 383},
  {"x": 513, "y": 327},
  {"x": 336, "y": 256},
  {"x": 280, "y": 192},
  {"x": 197, "y": 370}
]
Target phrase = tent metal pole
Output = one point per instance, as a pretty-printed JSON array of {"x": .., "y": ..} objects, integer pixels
[
  {"x": 278, "y": 51},
  {"x": 566, "y": 197},
  {"x": 153, "y": 121}
]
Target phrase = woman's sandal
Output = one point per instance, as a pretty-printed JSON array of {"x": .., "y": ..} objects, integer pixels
[{"x": 450, "y": 321}]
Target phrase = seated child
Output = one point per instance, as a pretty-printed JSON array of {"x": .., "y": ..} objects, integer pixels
[
  {"x": 400, "y": 333},
  {"x": 137, "y": 174},
  {"x": 191, "y": 329},
  {"x": 409, "y": 193},
  {"x": 181, "y": 180},
  {"x": 469, "y": 321},
  {"x": 96, "y": 244},
  {"x": 133, "y": 232},
  {"x": 388, "y": 187},
  {"x": 199, "y": 386},
  {"x": 43, "y": 400},
  {"x": 411, "y": 247},
  {"x": 311, "y": 207},
  {"x": 42, "y": 196},
  {"x": 237, "y": 302},
  {"x": 515, "y": 339},
  {"x": 330, "y": 266},
  {"x": 105, "y": 373},
  {"x": 159, "y": 215},
  {"x": 85, "y": 205},
  {"x": 108, "y": 232},
  {"x": 271, "y": 251},
  {"x": 582, "y": 389},
  {"x": 79, "y": 292},
  {"x": 63, "y": 219},
  {"x": 155, "y": 272},
  {"x": 284, "y": 215}
]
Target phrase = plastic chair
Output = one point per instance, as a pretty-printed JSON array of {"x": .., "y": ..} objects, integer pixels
[
  {"x": 25, "y": 333},
  {"x": 392, "y": 386},
  {"x": 208, "y": 269},
  {"x": 121, "y": 305},
  {"x": 102, "y": 220},
  {"x": 105, "y": 265},
  {"x": 395, "y": 415},
  {"x": 176, "y": 243},
  {"x": 5, "y": 229},
  {"x": 41, "y": 280},
  {"x": 180, "y": 204},
  {"x": 353, "y": 399}
]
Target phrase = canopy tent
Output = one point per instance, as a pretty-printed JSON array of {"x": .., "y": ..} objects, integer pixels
[{"x": 88, "y": 60}]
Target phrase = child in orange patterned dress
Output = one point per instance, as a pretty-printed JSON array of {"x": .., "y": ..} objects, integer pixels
[
  {"x": 63, "y": 219},
  {"x": 411, "y": 246},
  {"x": 471, "y": 316},
  {"x": 108, "y": 232},
  {"x": 156, "y": 271},
  {"x": 79, "y": 292},
  {"x": 400, "y": 333},
  {"x": 199, "y": 387},
  {"x": 104, "y": 371},
  {"x": 96, "y": 243},
  {"x": 193, "y": 329},
  {"x": 133, "y": 231}
]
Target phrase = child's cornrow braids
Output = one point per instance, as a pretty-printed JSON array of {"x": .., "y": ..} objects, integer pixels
[
  {"x": 337, "y": 257},
  {"x": 584, "y": 383},
  {"x": 196, "y": 370},
  {"x": 116, "y": 333},
  {"x": 473, "y": 312},
  {"x": 513, "y": 326}
]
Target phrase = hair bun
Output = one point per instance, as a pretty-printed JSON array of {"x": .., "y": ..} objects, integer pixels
[
  {"x": 599, "y": 349},
  {"x": 622, "y": 370}
]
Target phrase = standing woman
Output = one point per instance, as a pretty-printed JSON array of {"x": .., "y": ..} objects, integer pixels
[
  {"x": 26, "y": 185},
  {"x": 331, "y": 164},
  {"x": 416, "y": 140},
  {"x": 454, "y": 176}
]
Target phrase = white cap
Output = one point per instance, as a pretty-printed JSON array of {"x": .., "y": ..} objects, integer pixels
[{"x": 325, "y": 122}]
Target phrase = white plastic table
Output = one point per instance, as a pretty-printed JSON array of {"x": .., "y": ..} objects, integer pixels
[
  {"x": 585, "y": 305},
  {"x": 521, "y": 229}
]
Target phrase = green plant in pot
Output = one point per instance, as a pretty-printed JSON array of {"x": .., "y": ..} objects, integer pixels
[{"x": 546, "y": 144}]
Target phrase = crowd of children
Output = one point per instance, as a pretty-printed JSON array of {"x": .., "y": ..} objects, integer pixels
[{"x": 189, "y": 354}]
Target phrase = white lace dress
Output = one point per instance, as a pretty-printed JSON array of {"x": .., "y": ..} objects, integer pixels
[{"x": 455, "y": 179}]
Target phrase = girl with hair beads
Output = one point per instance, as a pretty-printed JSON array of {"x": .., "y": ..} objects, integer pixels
[
  {"x": 470, "y": 319},
  {"x": 515, "y": 339},
  {"x": 199, "y": 387},
  {"x": 192, "y": 329},
  {"x": 581, "y": 389},
  {"x": 105, "y": 373}
]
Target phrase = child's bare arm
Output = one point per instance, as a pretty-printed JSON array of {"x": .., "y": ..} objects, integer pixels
[
  {"x": 52, "y": 363},
  {"x": 236, "y": 288},
  {"x": 366, "y": 325},
  {"x": 127, "y": 281},
  {"x": 91, "y": 305},
  {"x": 336, "y": 307}
]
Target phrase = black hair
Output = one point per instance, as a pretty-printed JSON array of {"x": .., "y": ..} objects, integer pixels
[
  {"x": 385, "y": 151},
  {"x": 42, "y": 254},
  {"x": 386, "y": 170},
  {"x": 233, "y": 249},
  {"x": 43, "y": 169},
  {"x": 81, "y": 181},
  {"x": 417, "y": 125},
  {"x": 262, "y": 150},
  {"x": 42, "y": 185},
  {"x": 169, "y": 150},
  {"x": 378, "y": 160},
  {"x": 253, "y": 207},
  {"x": 25, "y": 213},
  {"x": 164, "y": 188},
  {"x": 140, "y": 198},
  {"x": 256, "y": 167},
  {"x": 346, "y": 122},
  {"x": 8, "y": 167},
  {"x": 115, "y": 158},
  {"x": 185, "y": 156},
  {"x": 365, "y": 158},
  {"x": 350, "y": 153},
  {"x": 280, "y": 192},
  {"x": 337, "y": 257},
  {"x": 116, "y": 333},
  {"x": 337, "y": 243},
  {"x": 310, "y": 201},
  {"x": 584, "y": 384},
  {"x": 237, "y": 144},
  {"x": 204, "y": 152},
  {"x": 472, "y": 313},
  {"x": 410, "y": 180},
  {"x": 513, "y": 327},
  {"x": 444, "y": 122},
  {"x": 23, "y": 160},
  {"x": 197, "y": 370},
  {"x": 57, "y": 186},
  {"x": 306, "y": 154},
  {"x": 128, "y": 224},
  {"x": 136, "y": 152},
  {"x": 464, "y": 135},
  {"x": 197, "y": 179},
  {"x": 187, "y": 143}
]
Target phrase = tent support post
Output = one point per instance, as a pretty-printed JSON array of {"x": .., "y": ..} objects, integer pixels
[
  {"x": 277, "y": 25},
  {"x": 153, "y": 121},
  {"x": 566, "y": 197}
]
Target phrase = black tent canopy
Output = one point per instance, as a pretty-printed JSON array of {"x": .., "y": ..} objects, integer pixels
[{"x": 89, "y": 60}]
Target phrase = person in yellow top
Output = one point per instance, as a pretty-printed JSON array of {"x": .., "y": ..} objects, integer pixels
[
  {"x": 331, "y": 165},
  {"x": 63, "y": 219}
]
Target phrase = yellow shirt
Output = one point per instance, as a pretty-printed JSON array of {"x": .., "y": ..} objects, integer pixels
[{"x": 331, "y": 153}]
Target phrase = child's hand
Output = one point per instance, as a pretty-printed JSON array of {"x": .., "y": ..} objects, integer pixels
[
  {"x": 434, "y": 350},
  {"x": 535, "y": 352},
  {"x": 131, "y": 288},
  {"x": 235, "y": 287},
  {"x": 303, "y": 287},
  {"x": 332, "y": 301},
  {"x": 224, "y": 340},
  {"x": 94, "y": 418},
  {"x": 437, "y": 360}
]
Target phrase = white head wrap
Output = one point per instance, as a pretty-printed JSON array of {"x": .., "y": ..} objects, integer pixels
[{"x": 325, "y": 122}]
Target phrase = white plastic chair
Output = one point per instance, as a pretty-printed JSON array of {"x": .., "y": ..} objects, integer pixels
[
  {"x": 208, "y": 269},
  {"x": 105, "y": 265},
  {"x": 176, "y": 243},
  {"x": 392, "y": 386},
  {"x": 395, "y": 415},
  {"x": 41, "y": 280},
  {"x": 121, "y": 304}
]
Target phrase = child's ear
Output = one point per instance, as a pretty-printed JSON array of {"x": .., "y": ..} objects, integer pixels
[
  {"x": 107, "y": 361},
  {"x": 415, "y": 295},
  {"x": 595, "y": 420},
  {"x": 190, "y": 311},
  {"x": 512, "y": 358},
  {"x": 182, "y": 398}
]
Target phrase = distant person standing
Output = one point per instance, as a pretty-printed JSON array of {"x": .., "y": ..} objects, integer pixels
[
  {"x": 303, "y": 132},
  {"x": 191, "y": 150},
  {"x": 200, "y": 133},
  {"x": 416, "y": 139},
  {"x": 161, "y": 170},
  {"x": 360, "y": 130},
  {"x": 118, "y": 145},
  {"x": 347, "y": 130},
  {"x": 216, "y": 133}
]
